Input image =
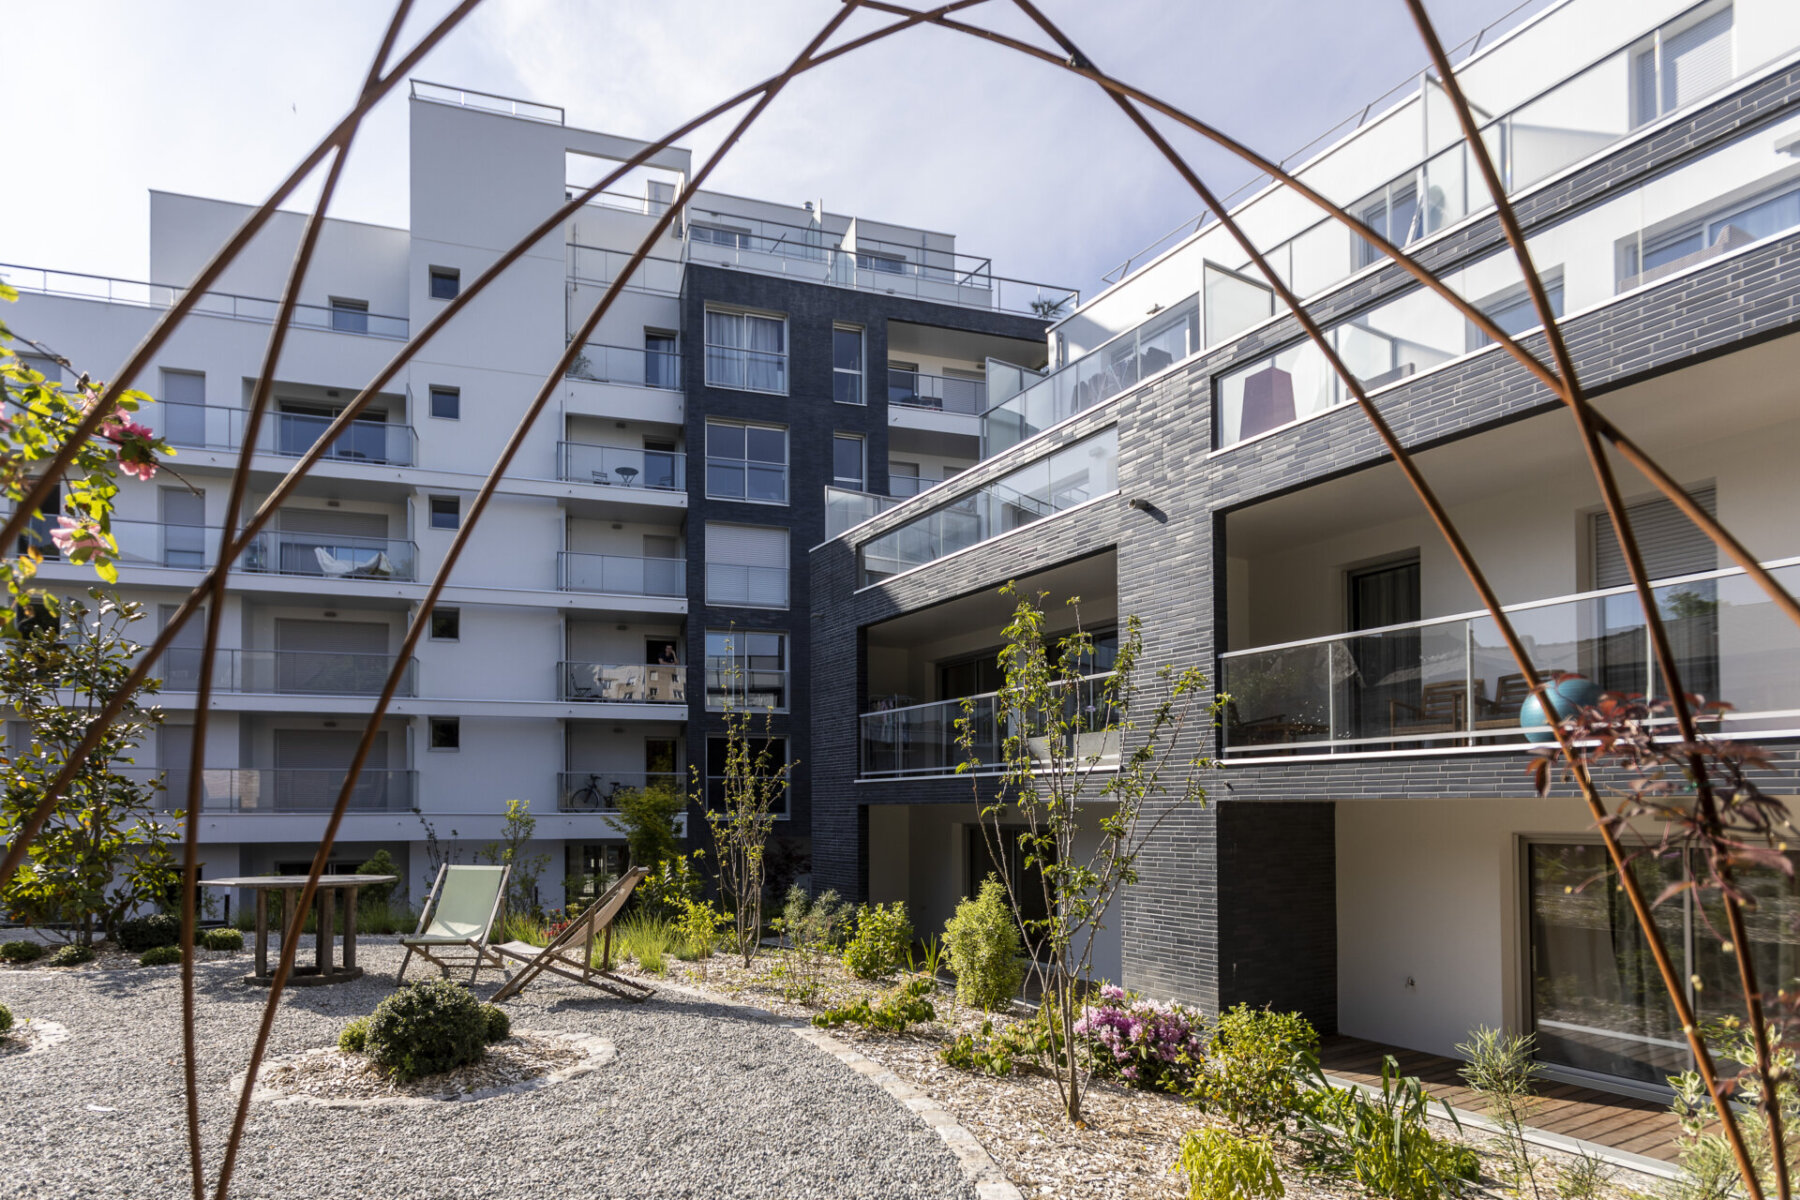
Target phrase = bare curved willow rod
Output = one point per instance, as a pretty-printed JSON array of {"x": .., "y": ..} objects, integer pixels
[
  {"x": 290, "y": 298},
  {"x": 422, "y": 617},
  {"x": 231, "y": 547},
  {"x": 1446, "y": 527},
  {"x": 1635, "y": 454},
  {"x": 165, "y": 325},
  {"x": 1705, "y": 799}
]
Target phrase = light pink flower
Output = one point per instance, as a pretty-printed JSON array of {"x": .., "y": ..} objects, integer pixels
[{"x": 75, "y": 536}]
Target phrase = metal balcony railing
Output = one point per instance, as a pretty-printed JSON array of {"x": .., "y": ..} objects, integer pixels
[
  {"x": 621, "y": 466},
  {"x": 658, "y": 683},
  {"x": 621, "y": 574},
  {"x": 1449, "y": 682}
]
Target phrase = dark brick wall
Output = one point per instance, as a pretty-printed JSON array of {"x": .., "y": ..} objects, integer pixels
[
  {"x": 811, "y": 417},
  {"x": 1237, "y": 899}
]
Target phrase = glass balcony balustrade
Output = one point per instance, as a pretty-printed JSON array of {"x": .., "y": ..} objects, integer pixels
[
  {"x": 939, "y": 393},
  {"x": 599, "y": 790},
  {"x": 900, "y": 739},
  {"x": 215, "y": 427},
  {"x": 621, "y": 574},
  {"x": 658, "y": 683},
  {"x": 1449, "y": 682},
  {"x": 285, "y": 672},
  {"x": 271, "y": 551},
  {"x": 622, "y": 466},
  {"x": 277, "y": 790},
  {"x": 628, "y": 366}
]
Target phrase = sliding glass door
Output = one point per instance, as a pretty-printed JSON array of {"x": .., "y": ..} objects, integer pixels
[{"x": 1597, "y": 1001}]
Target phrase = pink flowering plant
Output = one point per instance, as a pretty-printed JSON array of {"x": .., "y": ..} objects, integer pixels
[
  {"x": 37, "y": 416},
  {"x": 1141, "y": 1043}
]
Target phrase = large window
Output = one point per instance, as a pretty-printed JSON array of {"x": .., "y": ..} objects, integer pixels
[
  {"x": 746, "y": 351},
  {"x": 662, "y": 361},
  {"x": 747, "y": 668},
  {"x": 747, "y": 565},
  {"x": 847, "y": 364},
  {"x": 847, "y": 469},
  {"x": 746, "y": 462},
  {"x": 1692, "y": 240},
  {"x": 1513, "y": 311},
  {"x": 184, "y": 408}
]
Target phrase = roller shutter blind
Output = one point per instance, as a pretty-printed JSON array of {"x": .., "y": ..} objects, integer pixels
[
  {"x": 1671, "y": 544},
  {"x": 747, "y": 564},
  {"x": 1696, "y": 60}
]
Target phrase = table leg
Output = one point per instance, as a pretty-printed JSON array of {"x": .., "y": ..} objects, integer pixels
[
  {"x": 350, "y": 929},
  {"x": 262, "y": 932},
  {"x": 326, "y": 920}
]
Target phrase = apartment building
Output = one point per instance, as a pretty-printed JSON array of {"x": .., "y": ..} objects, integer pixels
[
  {"x": 1372, "y": 852},
  {"x": 646, "y": 556}
]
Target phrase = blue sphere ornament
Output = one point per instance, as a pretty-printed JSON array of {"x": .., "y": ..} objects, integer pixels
[{"x": 1567, "y": 695}]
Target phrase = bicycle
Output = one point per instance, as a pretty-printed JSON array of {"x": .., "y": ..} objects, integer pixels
[{"x": 590, "y": 798}]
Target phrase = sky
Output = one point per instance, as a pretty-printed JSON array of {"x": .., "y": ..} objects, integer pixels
[{"x": 1028, "y": 165}]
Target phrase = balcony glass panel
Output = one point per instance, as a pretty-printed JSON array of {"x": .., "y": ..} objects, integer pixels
[
  {"x": 622, "y": 575},
  {"x": 921, "y": 739},
  {"x": 659, "y": 683},
  {"x": 622, "y": 466},
  {"x": 283, "y": 789},
  {"x": 1451, "y": 682},
  {"x": 598, "y": 791},
  {"x": 627, "y": 365},
  {"x": 314, "y": 673}
]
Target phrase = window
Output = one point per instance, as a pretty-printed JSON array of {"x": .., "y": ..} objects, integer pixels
[
  {"x": 349, "y": 316},
  {"x": 746, "y": 351},
  {"x": 1678, "y": 64},
  {"x": 446, "y": 624},
  {"x": 446, "y": 512},
  {"x": 1693, "y": 240},
  {"x": 746, "y": 462},
  {"x": 1392, "y": 212},
  {"x": 446, "y": 733},
  {"x": 1513, "y": 311},
  {"x": 847, "y": 461},
  {"x": 445, "y": 283},
  {"x": 662, "y": 364},
  {"x": 44, "y": 365},
  {"x": 36, "y": 534},
  {"x": 746, "y": 667},
  {"x": 722, "y": 235},
  {"x": 847, "y": 364},
  {"x": 903, "y": 479},
  {"x": 747, "y": 565},
  {"x": 446, "y": 403},
  {"x": 183, "y": 407},
  {"x": 887, "y": 264},
  {"x": 768, "y": 756}
]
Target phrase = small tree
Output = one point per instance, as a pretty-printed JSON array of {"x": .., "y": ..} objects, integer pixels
[
  {"x": 755, "y": 789},
  {"x": 1074, "y": 759},
  {"x": 509, "y": 851},
  {"x": 103, "y": 852},
  {"x": 648, "y": 814}
]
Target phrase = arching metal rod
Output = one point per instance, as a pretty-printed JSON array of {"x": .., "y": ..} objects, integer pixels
[
  {"x": 1434, "y": 508},
  {"x": 421, "y": 618},
  {"x": 1707, "y": 523},
  {"x": 229, "y": 551},
  {"x": 338, "y": 138}
]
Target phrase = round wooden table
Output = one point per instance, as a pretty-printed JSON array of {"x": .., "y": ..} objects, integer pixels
[{"x": 326, "y": 900}]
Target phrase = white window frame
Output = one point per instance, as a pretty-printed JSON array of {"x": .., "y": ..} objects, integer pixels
[
  {"x": 452, "y": 612},
  {"x": 431, "y": 515},
  {"x": 433, "y": 274},
  {"x": 349, "y": 316},
  {"x": 861, "y": 374},
  {"x": 862, "y": 451},
  {"x": 741, "y": 354},
  {"x": 432, "y": 391},
  {"x": 787, "y": 465},
  {"x": 786, "y": 567},
  {"x": 736, "y": 661},
  {"x": 431, "y": 724}
]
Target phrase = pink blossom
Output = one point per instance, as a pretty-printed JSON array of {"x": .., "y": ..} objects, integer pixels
[
  {"x": 142, "y": 468},
  {"x": 74, "y": 536}
]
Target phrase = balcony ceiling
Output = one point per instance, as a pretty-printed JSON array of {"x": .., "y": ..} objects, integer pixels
[
  {"x": 1095, "y": 579},
  {"x": 932, "y": 341},
  {"x": 1740, "y": 393}
]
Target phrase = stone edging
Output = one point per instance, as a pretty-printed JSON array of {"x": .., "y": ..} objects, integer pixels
[
  {"x": 990, "y": 1181},
  {"x": 596, "y": 1053}
]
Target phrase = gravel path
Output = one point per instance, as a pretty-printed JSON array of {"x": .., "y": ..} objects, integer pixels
[{"x": 705, "y": 1100}]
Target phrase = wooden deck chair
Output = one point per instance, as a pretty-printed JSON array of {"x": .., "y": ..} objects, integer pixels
[
  {"x": 465, "y": 902},
  {"x": 570, "y": 953}
]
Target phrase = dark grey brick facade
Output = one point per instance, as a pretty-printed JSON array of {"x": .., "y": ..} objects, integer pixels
[{"x": 1237, "y": 901}]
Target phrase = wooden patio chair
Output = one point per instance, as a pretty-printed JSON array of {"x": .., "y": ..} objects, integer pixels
[
  {"x": 459, "y": 914},
  {"x": 1440, "y": 710},
  {"x": 1503, "y": 710},
  {"x": 570, "y": 953}
]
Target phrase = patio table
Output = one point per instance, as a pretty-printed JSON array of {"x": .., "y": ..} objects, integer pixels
[{"x": 332, "y": 890}]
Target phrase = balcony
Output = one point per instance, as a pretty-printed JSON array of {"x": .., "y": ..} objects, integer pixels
[
  {"x": 620, "y": 574},
  {"x": 598, "y": 791},
  {"x": 282, "y": 789},
  {"x": 845, "y": 509},
  {"x": 628, "y": 366},
  {"x": 900, "y": 740},
  {"x": 1449, "y": 683},
  {"x": 662, "y": 683},
  {"x": 290, "y": 435},
  {"x": 255, "y": 309},
  {"x": 622, "y": 466},
  {"x": 286, "y": 672},
  {"x": 939, "y": 393},
  {"x": 270, "y": 552}
]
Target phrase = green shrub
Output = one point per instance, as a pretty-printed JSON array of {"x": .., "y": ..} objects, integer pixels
[
  {"x": 499, "y": 1025},
  {"x": 147, "y": 933},
  {"x": 222, "y": 939},
  {"x": 997, "y": 1052},
  {"x": 376, "y": 895},
  {"x": 354, "y": 1037},
  {"x": 6, "y": 1020},
  {"x": 160, "y": 956},
  {"x": 523, "y": 927},
  {"x": 697, "y": 929},
  {"x": 427, "y": 1027},
  {"x": 981, "y": 1052},
  {"x": 71, "y": 956},
  {"x": 982, "y": 943},
  {"x": 813, "y": 928},
  {"x": 904, "y": 1006},
  {"x": 1221, "y": 1165},
  {"x": 21, "y": 952},
  {"x": 1382, "y": 1140},
  {"x": 1255, "y": 1065},
  {"x": 645, "y": 938},
  {"x": 883, "y": 939}
]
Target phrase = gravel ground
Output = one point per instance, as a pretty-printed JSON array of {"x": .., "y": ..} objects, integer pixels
[{"x": 705, "y": 1100}]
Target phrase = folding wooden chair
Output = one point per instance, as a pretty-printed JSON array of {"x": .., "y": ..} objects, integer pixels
[
  {"x": 465, "y": 902},
  {"x": 570, "y": 953}
]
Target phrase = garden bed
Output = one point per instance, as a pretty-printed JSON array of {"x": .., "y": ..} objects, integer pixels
[{"x": 522, "y": 1062}]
